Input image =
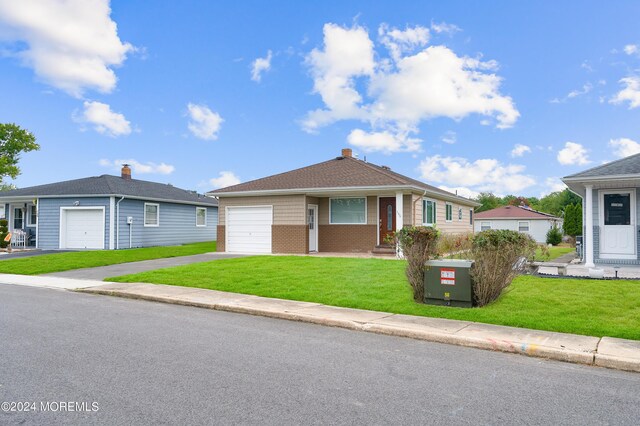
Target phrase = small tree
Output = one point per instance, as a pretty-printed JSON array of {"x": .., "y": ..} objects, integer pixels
[
  {"x": 499, "y": 256},
  {"x": 4, "y": 230},
  {"x": 13, "y": 141},
  {"x": 573, "y": 220},
  {"x": 554, "y": 236},
  {"x": 418, "y": 244}
]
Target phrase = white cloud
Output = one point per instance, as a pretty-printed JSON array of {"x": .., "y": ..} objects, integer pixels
[
  {"x": 259, "y": 66},
  {"x": 573, "y": 154},
  {"x": 519, "y": 150},
  {"x": 552, "y": 184},
  {"x": 138, "y": 167},
  {"x": 631, "y": 49},
  {"x": 384, "y": 141},
  {"x": 72, "y": 45},
  {"x": 204, "y": 123},
  {"x": 445, "y": 28},
  {"x": 103, "y": 119},
  {"x": 624, "y": 147},
  {"x": 461, "y": 191},
  {"x": 225, "y": 178},
  {"x": 449, "y": 137},
  {"x": 479, "y": 175},
  {"x": 399, "y": 42},
  {"x": 586, "y": 88},
  {"x": 631, "y": 93},
  {"x": 395, "y": 95}
]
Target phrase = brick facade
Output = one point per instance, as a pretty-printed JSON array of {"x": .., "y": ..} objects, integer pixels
[
  {"x": 347, "y": 238},
  {"x": 290, "y": 239},
  {"x": 221, "y": 238}
]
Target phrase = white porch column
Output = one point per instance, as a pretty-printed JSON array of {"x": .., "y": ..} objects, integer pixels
[
  {"x": 588, "y": 232},
  {"x": 399, "y": 211}
]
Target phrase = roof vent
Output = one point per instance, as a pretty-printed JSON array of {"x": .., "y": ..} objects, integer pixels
[
  {"x": 386, "y": 167},
  {"x": 126, "y": 172}
]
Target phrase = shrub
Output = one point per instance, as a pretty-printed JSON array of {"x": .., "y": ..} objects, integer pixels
[
  {"x": 554, "y": 236},
  {"x": 499, "y": 256},
  {"x": 4, "y": 230},
  {"x": 418, "y": 244},
  {"x": 455, "y": 245}
]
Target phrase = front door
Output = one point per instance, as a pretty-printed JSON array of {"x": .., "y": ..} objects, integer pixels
[
  {"x": 313, "y": 227},
  {"x": 387, "y": 211},
  {"x": 617, "y": 224}
]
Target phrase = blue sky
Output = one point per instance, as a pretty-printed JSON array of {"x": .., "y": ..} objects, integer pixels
[{"x": 476, "y": 96}]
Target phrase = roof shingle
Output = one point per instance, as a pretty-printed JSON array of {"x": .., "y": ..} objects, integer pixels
[
  {"x": 624, "y": 166},
  {"x": 112, "y": 185}
]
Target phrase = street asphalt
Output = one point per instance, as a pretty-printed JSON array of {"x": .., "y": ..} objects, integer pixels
[
  {"x": 151, "y": 363},
  {"x": 102, "y": 272}
]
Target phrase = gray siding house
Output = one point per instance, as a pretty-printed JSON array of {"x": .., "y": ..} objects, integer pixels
[
  {"x": 611, "y": 211},
  {"x": 110, "y": 212}
]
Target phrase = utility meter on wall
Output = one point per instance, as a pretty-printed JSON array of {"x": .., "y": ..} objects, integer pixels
[{"x": 129, "y": 220}]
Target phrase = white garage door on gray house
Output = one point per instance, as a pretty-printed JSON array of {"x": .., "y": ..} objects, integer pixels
[{"x": 109, "y": 212}]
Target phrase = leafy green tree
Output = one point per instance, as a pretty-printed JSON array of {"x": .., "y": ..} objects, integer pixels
[
  {"x": 573, "y": 220},
  {"x": 489, "y": 201},
  {"x": 14, "y": 140}
]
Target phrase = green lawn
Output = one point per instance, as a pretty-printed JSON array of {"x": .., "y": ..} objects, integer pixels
[
  {"x": 590, "y": 307},
  {"x": 554, "y": 253},
  {"x": 58, "y": 262}
]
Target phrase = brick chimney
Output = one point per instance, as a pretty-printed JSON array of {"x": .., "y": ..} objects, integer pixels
[
  {"x": 126, "y": 172},
  {"x": 346, "y": 152}
]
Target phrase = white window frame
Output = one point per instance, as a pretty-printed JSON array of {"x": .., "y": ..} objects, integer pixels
[
  {"x": 520, "y": 222},
  {"x": 448, "y": 212},
  {"x": 205, "y": 217},
  {"x": 460, "y": 214},
  {"x": 482, "y": 225},
  {"x": 366, "y": 211},
  {"x": 424, "y": 211},
  {"x": 29, "y": 223},
  {"x": 153, "y": 225},
  {"x": 470, "y": 216}
]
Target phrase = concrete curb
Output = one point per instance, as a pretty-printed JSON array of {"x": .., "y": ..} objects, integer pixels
[{"x": 556, "y": 346}]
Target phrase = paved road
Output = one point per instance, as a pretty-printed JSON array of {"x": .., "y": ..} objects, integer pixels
[
  {"x": 102, "y": 272},
  {"x": 149, "y": 363}
]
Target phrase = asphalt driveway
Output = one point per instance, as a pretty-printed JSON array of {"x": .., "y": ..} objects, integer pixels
[
  {"x": 29, "y": 253},
  {"x": 102, "y": 272}
]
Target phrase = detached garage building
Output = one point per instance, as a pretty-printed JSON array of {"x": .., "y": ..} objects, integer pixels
[
  {"x": 109, "y": 212},
  {"x": 518, "y": 218}
]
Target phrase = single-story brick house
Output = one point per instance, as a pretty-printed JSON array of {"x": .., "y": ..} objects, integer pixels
[
  {"x": 610, "y": 211},
  {"x": 341, "y": 205},
  {"x": 109, "y": 212},
  {"x": 517, "y": 218}
]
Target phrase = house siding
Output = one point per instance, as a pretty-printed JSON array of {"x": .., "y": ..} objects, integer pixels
[
  {"x": 287, "y": 209},
  {"x": 177, "y": 225},
  {"x": 49, "y": 218},
  {"x": 455, "y": 226}
]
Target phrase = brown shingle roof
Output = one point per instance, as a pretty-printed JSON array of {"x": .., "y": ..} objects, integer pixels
[
  {"x": 340, "y": 172},
  {"x": 513, "y": 212}
]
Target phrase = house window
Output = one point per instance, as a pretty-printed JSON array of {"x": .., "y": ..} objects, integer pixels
[
  {"x": 470, "y": 216},
  {"x": 428, "y": 212},
  {"x": 348, "y": 211},
  {"x": 2, "y": 212},
  {"x": 151, "y": 214},
  {"x": 485, "y": 226},
  {"x": 18, "y": 219},
  {"x": 617, "y": 209},
  {"x": 523, "y": 226},
  {"x": 201, "y": 216},
  {"x": 32, "y": 218},
  {"x": 459, "y": 214},
  {"x": 448, "y": 212}
]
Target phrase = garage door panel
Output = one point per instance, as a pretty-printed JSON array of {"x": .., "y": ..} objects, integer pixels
[
  {"x": 249, "y": 229},
  {"x": 82, "y": 229}
]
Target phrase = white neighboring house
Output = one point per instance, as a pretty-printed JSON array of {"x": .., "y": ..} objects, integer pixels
[
  {"x": 517, "y": 218},
  {"x": 610, "y": 211}
]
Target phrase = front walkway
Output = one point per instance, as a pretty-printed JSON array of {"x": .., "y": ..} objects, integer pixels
[{"x": 102, "y": 272}]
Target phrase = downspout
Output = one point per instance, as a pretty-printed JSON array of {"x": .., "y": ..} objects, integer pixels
[{"x": 118, "y": 223}]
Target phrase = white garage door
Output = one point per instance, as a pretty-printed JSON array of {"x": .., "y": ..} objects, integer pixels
[
  {"x": 249, "y": 229},
  {"x": 82, "y": 229}
]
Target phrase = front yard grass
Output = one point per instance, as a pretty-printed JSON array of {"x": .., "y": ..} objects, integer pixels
[
  {"x": 589, "y": 307},
  {"x": 554, "y": 253},
  {"x": 58, "y": 262}
]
